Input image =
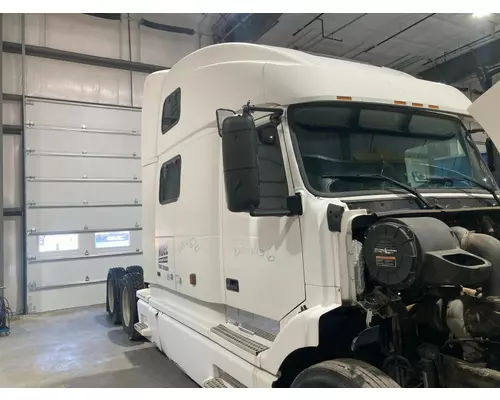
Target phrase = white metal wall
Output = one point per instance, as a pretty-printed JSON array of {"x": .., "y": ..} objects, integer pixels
[{"x": 72, "y": 82}]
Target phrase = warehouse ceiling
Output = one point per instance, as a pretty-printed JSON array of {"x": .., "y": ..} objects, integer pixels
[
  {"x": 440, "y": 47},
  {"x": 412, "y": 43}
]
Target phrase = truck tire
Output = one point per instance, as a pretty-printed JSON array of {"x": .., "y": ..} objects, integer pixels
[
  {"x": 135, "y": 268},
  {"x": 130, "y": 284},
  {"x": 113, "y": 308},
  {"x": 343, "y": 373}
]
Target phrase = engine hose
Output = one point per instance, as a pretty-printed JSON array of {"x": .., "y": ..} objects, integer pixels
[
  {"x": 487, "y": 247},
  {"x": 456, "y": 324}
]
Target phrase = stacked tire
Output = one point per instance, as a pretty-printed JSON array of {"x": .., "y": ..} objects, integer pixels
[
  {"x": 130, "y": 284},
  {"x": 121, "y": 300},
  {"x": 115, "y": 275}
]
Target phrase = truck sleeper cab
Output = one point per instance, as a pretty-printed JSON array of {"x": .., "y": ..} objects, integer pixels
[{"x": 317, "y": 228}]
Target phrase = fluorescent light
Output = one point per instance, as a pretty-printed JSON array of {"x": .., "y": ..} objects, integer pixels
[{"x": 481, "y": 15}]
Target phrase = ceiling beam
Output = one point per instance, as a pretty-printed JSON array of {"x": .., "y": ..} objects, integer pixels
[
  {"x": 63, "y": 55},
  {"x": 465, "y": 64}
]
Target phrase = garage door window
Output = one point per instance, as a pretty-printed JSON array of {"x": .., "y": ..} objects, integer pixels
[
  {"x": 106, "y": 240},
  {"x": 171, "y": 111},
  {"x": 48, "y": 243},
  {"x": 170, "y": 180}
]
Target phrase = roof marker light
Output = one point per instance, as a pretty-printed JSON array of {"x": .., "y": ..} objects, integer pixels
[
  {"x": 345, "y": 98},
  {"x": 433, "y": 107},
  {"x": 417, "y": 104},
  {"x": 400, "y": 102}
]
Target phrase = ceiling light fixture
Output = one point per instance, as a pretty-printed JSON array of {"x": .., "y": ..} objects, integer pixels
[{"x": 481, "y": 15}]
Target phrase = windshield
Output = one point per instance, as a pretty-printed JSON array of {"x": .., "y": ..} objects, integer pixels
[{"x": 418, "y": 148}]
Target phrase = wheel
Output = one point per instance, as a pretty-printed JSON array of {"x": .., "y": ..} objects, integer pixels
[
  {"x": 130, "y": 284},
  {"x": 343, "y": 373},
  {"x": 115, "y": 275},
  {"x": 135, "y": 268}
]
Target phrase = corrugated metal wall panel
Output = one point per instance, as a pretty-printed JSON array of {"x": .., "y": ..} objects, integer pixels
[
  {"x": 85, "y": 34},
  {"x": 12, "y": 179},
  {"x": 12, "y": 113},
  {"x": 13, "y": 278}
]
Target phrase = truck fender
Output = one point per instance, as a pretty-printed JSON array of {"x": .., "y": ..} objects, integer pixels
[{"x": 302, "y": 331}]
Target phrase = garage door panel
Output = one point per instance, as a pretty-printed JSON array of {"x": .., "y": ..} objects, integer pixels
[
  {"x": 72, "y": 244},
  {"x": 78, "y": 272},
  {"x": 78, "y": 167},
  {"x": 70, "y": 297},
  {"x": 45, "y": 140},
  {"x": 83, "y": 195},
  {"x": 78, "y": 192},
  {"x": 74, "y": 115},
  {"x": 102, "y": 218}
]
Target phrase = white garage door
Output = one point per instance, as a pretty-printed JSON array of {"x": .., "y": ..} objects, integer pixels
[{"x": 83, "y": 192}]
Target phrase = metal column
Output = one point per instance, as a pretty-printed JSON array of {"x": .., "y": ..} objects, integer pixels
[
  {"x": 23, "y": 165},
  {"x": 1, "y": 165}
]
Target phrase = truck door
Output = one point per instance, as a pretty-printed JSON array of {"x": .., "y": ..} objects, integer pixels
[{"x": 263, "y": 267}]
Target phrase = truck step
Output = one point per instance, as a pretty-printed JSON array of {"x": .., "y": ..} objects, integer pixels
[
  {"x": 249, "y": 345},
  {"x": 143, "y": 329},
  {"x": 216, "y": 383},
  {"x": 223, "y": 382}
]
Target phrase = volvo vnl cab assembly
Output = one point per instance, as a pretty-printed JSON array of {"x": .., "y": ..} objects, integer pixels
[{"x": 314, "y": 222}]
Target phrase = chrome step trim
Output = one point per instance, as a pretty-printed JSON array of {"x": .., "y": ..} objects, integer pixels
[
  {"x": 143, "y": 329},
  {"x": 259, "y": 332},
  {"x": 139, "y": 326},
  {"x": 216, "y": 383},
  {"x": 233, "y": 382},
  {"x": 238, "y": 340}
]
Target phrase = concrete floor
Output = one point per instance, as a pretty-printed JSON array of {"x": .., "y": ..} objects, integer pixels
[{"x": 80, "y": 348}]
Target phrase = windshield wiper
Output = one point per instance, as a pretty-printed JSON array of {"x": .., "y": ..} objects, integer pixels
[
  {"x": 423, "y": 202},
  {"x": 464, "y": 178}
]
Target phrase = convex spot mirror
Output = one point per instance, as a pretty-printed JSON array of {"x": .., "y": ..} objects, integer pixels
[{"x": 240, "y": 162}]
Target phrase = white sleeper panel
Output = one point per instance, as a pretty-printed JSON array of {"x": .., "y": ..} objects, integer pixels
[{"x": 80, "y": 156}]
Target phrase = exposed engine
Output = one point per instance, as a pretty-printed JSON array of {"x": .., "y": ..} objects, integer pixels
[{"x": 435, "y": 289}]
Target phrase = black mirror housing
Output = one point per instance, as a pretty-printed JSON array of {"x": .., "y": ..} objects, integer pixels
[
  {"x": 240, "y": 163},
  {"x": 491, "y": 154},
  {"x": 221, "y": 114}
]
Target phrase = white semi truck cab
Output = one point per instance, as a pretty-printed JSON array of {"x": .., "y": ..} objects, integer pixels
[{"x": 313, "y": 222}]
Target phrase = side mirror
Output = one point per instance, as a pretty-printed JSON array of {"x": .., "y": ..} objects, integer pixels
[
  {"x": 240, "y": 163},
  {"x": 491, "y": 154}
]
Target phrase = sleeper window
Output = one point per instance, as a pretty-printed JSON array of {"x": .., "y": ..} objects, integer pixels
[
  {"x": 171, "y": 111},
  {"x": 170, "y": 180}
]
